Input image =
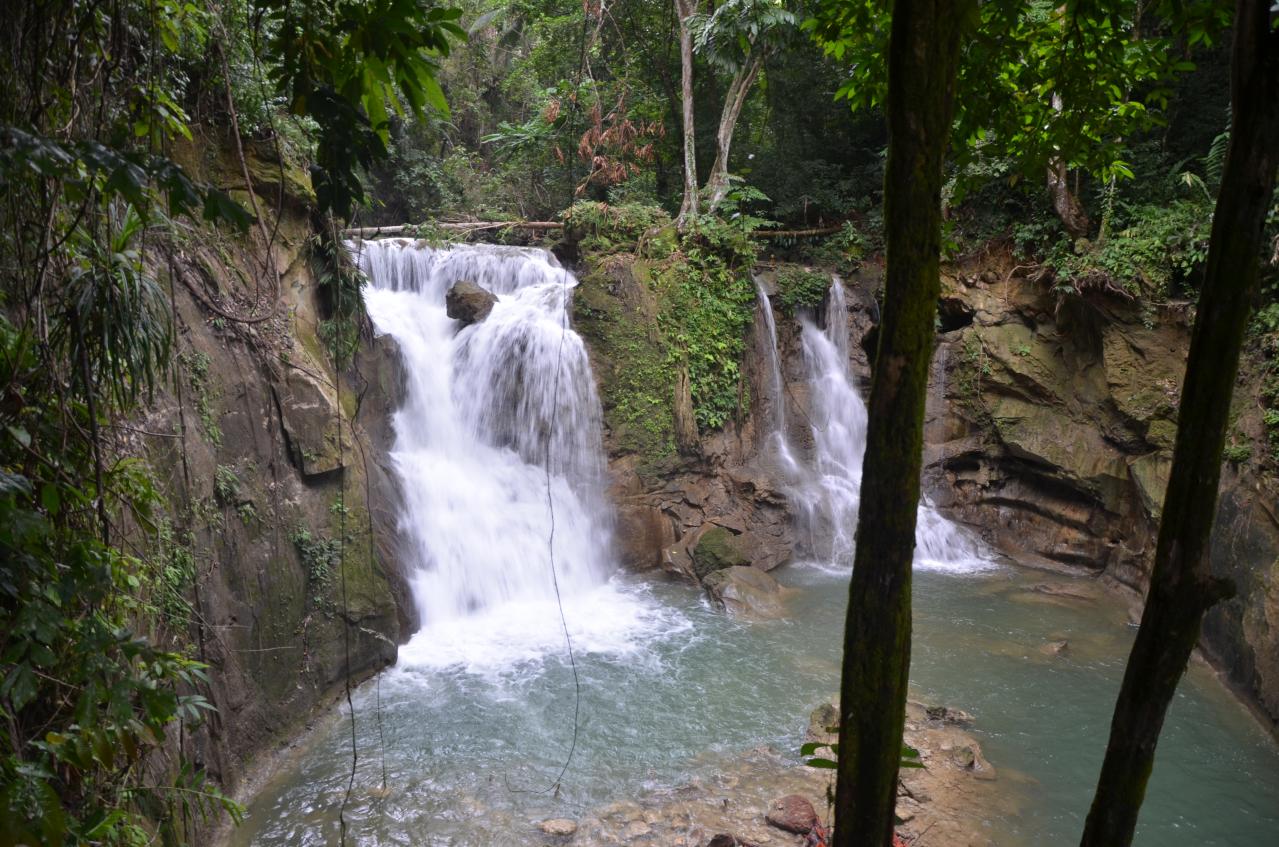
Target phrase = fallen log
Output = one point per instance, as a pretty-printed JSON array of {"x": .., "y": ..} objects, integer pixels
[
  {"x": 465, "y": 227},
  {"x": 796, "y": 233},
  {"x": 468, "y": 227}
]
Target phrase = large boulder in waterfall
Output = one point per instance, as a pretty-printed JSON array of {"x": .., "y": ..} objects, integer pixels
[
  {"x": 468, "y": 302},
  {"x": 718, "y": 548},
  {"x": 745, "y": 591}
]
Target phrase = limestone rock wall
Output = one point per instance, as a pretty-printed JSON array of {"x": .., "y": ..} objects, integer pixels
[
  {"x": 279, "y": 492},
  {"x": 1051, "y": 428}
]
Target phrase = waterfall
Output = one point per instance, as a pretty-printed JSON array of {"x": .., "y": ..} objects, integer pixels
[
  {"x": 788, "y": 466},
  {"x": 826, "y": 500},
  {"x": 498, "y": 448}
]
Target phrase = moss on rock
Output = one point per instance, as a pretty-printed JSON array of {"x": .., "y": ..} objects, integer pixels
[{"x": 718, "y": 549}]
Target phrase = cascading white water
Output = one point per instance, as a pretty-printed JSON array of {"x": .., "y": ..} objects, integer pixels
[
  {"x": 826, "y": 500},
  {"x": 494, "y": 415},
  {"x": 789, "y": 467}
]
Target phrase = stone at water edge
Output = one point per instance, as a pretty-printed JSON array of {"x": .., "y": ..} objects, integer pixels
[
  {"x": 792, "y": 813},
  {"x": 745, "y": 591},
  {"x": 562, "y": 827},
  {"x": 947, "y": 714},
  {"x": 468, "y": 302},
  {"x": 718, "y": 548}
]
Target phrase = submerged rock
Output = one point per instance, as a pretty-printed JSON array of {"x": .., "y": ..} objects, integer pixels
[
  {"x": 745, "y": 591},
  {"x": 725, "y": 840},
  {"x": 792, "y": 813},
  {"x": 561, "y": 827},
  {"x": 1054, "y": 648},
  {"x": 468, "y": 302}
]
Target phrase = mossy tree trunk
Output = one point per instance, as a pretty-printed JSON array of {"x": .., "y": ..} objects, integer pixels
[
  {"x": 1182, "y": 587},
  {"x": 922, "y": 62},
  {"x": 684, "y": 10}
]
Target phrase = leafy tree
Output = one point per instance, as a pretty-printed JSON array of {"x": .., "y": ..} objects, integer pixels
[
  {"x": 341, "y": 63},
  {"x": 737, "y": 38},
  {"x": 95, "y": 671},
  {"x": 1182, "y": 586},
  {"x": 923, "y": 58},
  {"x": 1051, "y": 86}
]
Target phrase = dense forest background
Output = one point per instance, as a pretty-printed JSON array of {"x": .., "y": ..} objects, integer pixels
[{"x": 132, "y": 128}]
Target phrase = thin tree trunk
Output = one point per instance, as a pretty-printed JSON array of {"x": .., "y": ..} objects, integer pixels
[
  {"x": 738, "y": 91},
  {"x": 1182, "y": 587},
  {"x": 922, "y": 62},
  {"x": 1069, "y": 210},
  {"x": 684, "y": 9}
]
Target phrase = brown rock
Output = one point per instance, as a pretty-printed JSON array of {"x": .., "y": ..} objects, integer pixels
[
  {"x": 946, "y": 714},
  {"x": 723, "y": 840},
  {"x": 792, "y": 813},
  {"x": 560, "y": 827},
  {"x": 745, "y": 591},
  {"x": 641, "y": 533}
]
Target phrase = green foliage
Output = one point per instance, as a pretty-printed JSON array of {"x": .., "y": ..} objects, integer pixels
[
  {"x": 1039, "y": 80},
  {"x": 342, "y": 63},
  {"x": 842, "y": 252},
  {"x": 226, "y": 485},
  {"x": 1160, "y": 250},
  {"x": 340, "y": 285},
  {"x": 636, "y": 381},
  {"x": 196, "y": 364},
  {"x": 800, "y": 288},
  {"x": 86, "y": 699},
  {"x": 909, "y": 755},
  {"x": 172, "y": 575},
  {"x": 604, "y": 228},
  {"x": 708, "y": 302},
  {"x": 736, "y": 29},
  {"x": 321, "y": 556},
  {"x": 1237, "y": 454}
]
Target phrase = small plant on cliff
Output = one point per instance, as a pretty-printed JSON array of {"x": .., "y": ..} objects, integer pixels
[
  {"x": 226, "y": 485},
  {"x": 320, "y": 556},
  {"x": 800, "y": 288},
  {"x": 196, "y": 365}
]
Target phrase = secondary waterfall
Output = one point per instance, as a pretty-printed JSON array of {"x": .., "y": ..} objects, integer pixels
[
  {"x": 826, "y": 498},
  {"x": 498, "y": 449}
]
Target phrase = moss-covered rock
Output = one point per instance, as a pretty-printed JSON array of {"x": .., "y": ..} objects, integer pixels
[
  {"x": 615, "y": 311},
  {"x": 718, "y": 548}
]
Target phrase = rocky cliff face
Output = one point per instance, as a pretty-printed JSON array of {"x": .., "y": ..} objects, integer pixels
[
  {"x": 281, "y": 503},
  {"x": 667, "y": 501},
  {"x": 1051, "y": 428}
]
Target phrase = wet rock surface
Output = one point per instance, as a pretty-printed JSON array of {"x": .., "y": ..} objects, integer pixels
[
  {"x": 468, "y": 303},
  {"x": 745, "y": 591},
  {"x": 764, "y": 798}
]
